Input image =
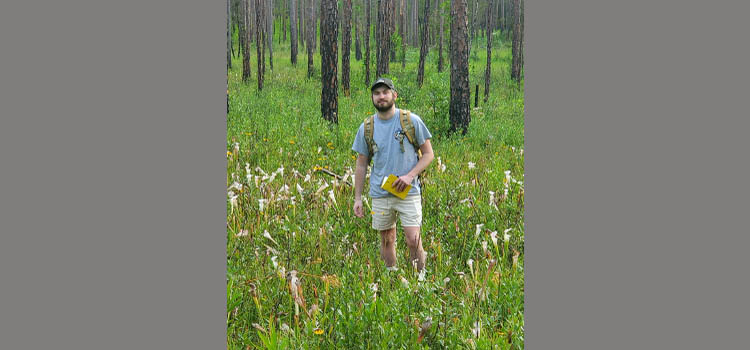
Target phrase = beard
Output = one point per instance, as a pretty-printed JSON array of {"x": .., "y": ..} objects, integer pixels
[{"x": 384, "y": 107}]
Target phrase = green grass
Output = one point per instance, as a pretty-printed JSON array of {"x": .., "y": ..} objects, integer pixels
[{"x": 335, "y": 254}]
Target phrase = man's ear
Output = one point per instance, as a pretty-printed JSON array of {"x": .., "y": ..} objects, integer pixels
[{"x": 395, "y": 94}]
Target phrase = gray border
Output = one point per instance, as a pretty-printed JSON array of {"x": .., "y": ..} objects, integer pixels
[
  {"x": 637, "y": 171},
  {"x": 113, "y": 175},
  {"x": 113, "y": 196}
]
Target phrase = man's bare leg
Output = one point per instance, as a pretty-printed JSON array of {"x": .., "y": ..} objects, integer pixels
[
  {"x": 388, "y": 246},
  {"x": 414, "y": 242}
]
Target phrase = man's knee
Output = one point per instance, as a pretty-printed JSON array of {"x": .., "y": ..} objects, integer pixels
[
  {"x": 388, "y": 236},
  {"x": 412, "y": 236}
]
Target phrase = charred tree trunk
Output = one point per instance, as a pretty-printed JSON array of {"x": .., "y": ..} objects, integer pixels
[
  {"x": 329, "y": 60},
  {"x": 229, "y": 37},
  {"x": 245, "y": 42},
  {"x": 357, "y": 47},
  {"x": 268, "y": 14},
  {"x": 310, "y": 24},
  {"x": 440, "y": 47},
  {"x": 515, "y": 72},
  {"x": 346, "y": 43},
  {"x": 521, "y": 44},
  {"x": 385, "y": 19},
  {"x": 260, "y": 41},
  {"x": 367, "y": 43},
  {"x": 487, "y": 76},
  {"x": 423, "y": 48},
  {"x": 460, "y": 102},
  {"x": 401, "y": 17},
  {"x": 293, "y": 30}
]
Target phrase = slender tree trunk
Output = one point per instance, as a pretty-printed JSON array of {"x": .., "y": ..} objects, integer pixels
[
  {"x": 315, "y": 26},
  {"x": 460, "y": 102},
  {"x": 329, "y": 60},
  {"x": 301, "y": 23},
  {"x": 346, "y": 43},
  {"x": 293, "y": 30},
  {"x": 423, "y": 48},
  {"x": 490, "y": 17},
  {"x": 260, "y": 41},
  {"x": 515, "y": 72},
  {"x": 385, "y": 24},
  {"x": 310, "y": 34},
  {"x": 269, "y": 27},
  {"x": 229, "y": 37},
  {"x": 402, "y": 33},
  {"x": 522, "y": 40},
  {"x": 357, "y": 46},
  {"x": 440, "y": 47},
  {"x": 367, "y": 43},
  {"x": 246, "y": 71}
]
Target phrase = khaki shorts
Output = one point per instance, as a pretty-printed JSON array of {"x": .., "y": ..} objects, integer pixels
[{"x": 387, "y": 208}]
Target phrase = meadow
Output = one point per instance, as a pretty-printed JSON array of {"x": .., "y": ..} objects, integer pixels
[{"x": 304, "y": 273}]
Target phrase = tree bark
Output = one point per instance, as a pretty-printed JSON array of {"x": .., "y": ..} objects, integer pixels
[
  {"x": 357, "y": 46},
  {"x": 460, "y": 102},
  {"x": 515, "y": 72},
  {"x": 229, "y": 37},
  {"x": 310, "y": 35},
  {"x": 246, "y": 71},
  {"x": 293, "y": 30},
  {"x": 490, "y": 17},
  {"x": 269, "y": 27},
  {"x": 440, "y": 47},
  {"x": 260, "y": 41},
  {"x": 385, "y": 19},
  {"x": 367, "y": 43},
  {"x": 329, "y": 60},
  {"x": 346, "y": 43},
  {"x": 423, "y": 48}
]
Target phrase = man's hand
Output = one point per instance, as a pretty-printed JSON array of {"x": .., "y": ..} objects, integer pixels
[
  {"x": 402, "y": 182},
  {"x": 358, "y": 210}
]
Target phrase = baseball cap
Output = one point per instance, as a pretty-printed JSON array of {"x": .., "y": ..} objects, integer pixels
[{"x": 385, "y": 81}]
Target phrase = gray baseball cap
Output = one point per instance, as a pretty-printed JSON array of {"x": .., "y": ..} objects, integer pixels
[{"x": 385, "y": 81}]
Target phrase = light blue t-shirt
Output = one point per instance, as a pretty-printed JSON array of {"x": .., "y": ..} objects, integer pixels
[{"x": 389, "y": 159}]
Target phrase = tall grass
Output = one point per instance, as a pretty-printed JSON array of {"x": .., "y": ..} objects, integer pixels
[{"x": 283, "y": 215}]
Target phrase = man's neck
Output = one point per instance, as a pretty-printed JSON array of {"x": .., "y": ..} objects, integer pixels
[{"x": 387, "y": 115}]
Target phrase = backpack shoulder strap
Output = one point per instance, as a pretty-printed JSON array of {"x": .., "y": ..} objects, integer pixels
[
  {"x": 369, "y": 130},
  {"x": 408, "y": 127}
]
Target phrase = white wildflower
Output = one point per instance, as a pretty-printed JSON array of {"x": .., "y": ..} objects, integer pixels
[
  {"x": 236, "y": 186},
  {"x": 325, "y": 185},
  {"x": 320, "y": 149},
  {"x": 284, "y": 189},
  {"x": 307, "y": 178},
  {"x": 300, "y": 190},
  {"x": 404, "y": 281},
  {"x": 472, "y": 165},
  {"x": 268, "y": 235},
  {"x": 479, "y": 230},
  {"x": 484, "y": 246},
  {"x": 280, "y": 171},
  {"x": 332, "y": 197},
  {"x": 259, "y": 170},
  {"x": 493, "y": 236},
  {"x": 242, "y": 233},
  {"x": 273, "y": 261},
  {"x": 291, "y": 200},
  {"x": 470, "y": 262},
  {"x": 233, "y": 200},
  {"x": 506, "y": 236},
  {"x": 261, "y": 204},
  {"x": 236, "y": 147}
]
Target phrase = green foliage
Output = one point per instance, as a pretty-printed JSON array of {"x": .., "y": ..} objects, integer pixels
[{"x": 335, "y": 254}]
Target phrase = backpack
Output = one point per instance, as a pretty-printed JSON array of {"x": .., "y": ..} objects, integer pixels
[{"x": 406, "y": 125}]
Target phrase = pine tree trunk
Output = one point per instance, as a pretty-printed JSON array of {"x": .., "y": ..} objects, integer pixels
[
  {"x": 385, "y": 20},
  {"x": 269, "y": 28},
  {"x": 229, "y": 37},
  {"x": 346, "y": 43},
  {"x": 357, "y": 47},
  {"x": 260, "y": 40},
  {"x": 490, "y": 17},
  {"x": 402, "y": 33},
  {"x": 246, "y": 71},
  {"x": 515, "y": 72},
  {"x": 293, "y": 30},
  {"x": 302, "y": 33},
  {"x": 460, "y": 102},
  {"x": 329, "y": 60},
  {"x": 367, "y": 43},
  {"x": 521, "y": 44},
  {"x": 310, "y": 23},
  {"x": 423, "y": 48},
  {"x": 440, "y": 47}
]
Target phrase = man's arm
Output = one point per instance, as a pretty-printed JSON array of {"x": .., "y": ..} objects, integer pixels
[
  {"x": 427, "y": 157},
  {"x": 359, "y": 176}
]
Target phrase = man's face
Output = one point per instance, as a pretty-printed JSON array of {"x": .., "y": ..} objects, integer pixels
[{"x": 383, "y": 98}]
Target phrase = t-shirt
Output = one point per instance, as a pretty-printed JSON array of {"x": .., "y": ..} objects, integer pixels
[{"x": 389, "y": 159}]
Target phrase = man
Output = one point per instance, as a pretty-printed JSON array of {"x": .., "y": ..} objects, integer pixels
[{"x": 392, "y": 155}]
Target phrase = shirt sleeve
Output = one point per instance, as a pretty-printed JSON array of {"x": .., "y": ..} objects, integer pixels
[
  {"x": 360, "y": 145},
  {"x": 420, "y": 129}
]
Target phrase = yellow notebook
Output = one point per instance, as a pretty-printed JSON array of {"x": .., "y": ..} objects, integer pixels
[{"x": 388, "y": 186}]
